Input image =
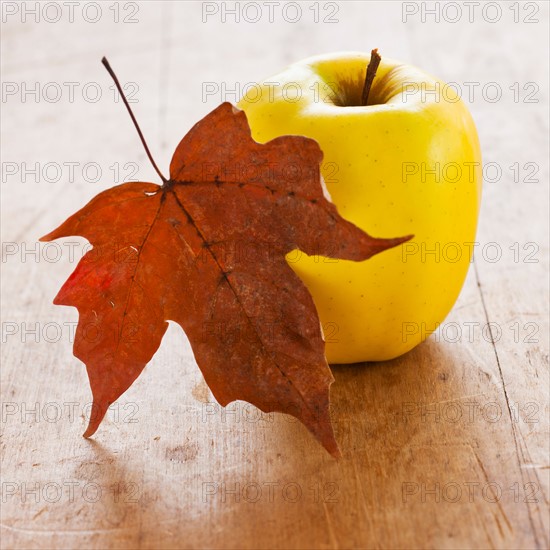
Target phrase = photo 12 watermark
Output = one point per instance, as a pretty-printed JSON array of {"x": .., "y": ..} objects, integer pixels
[
  {"x": 471, "y": 331},
  {"x": 470, "y": 12},
  {"x": 65, "y": 92},
  {"x": 470, "y": 92},
  {"x": 470, "y": 411},
  {"x": 469, "y": 492},
  {"x": 69, "y": 172},
  {"x": 52, "y": 412},
  {"x": 413, "y": 172},
  {"x": 270, "y": 12},
  {"x": 271, "y": 330},
  {"x": 70, "y": 492},
  {"x": 269, "y": 491},
  {"x": 69, "y": 12}
]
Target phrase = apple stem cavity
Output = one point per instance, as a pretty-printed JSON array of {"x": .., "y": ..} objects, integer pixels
[
  {"x": 119, "y": 88},
  {"x": 370, "y": 74}
]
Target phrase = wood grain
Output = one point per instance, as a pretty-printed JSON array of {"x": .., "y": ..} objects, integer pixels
[{"x": 446, "y": 447}]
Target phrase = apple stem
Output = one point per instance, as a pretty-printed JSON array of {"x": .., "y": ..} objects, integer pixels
[
  {"x": 371, "y": 73},
  {"x": 119, "y": 88}
]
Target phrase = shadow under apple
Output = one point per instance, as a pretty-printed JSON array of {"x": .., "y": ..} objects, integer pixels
[{"x": 394, "y": 403}]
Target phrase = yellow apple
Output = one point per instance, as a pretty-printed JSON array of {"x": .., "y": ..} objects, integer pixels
[{"x": 408, "y": 162}]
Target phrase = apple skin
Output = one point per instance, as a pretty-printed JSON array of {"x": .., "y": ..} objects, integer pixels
[{"x": 383, "y": 307}]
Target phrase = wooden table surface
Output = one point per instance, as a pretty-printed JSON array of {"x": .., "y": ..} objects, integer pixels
[{"x": 446, "y": 447}]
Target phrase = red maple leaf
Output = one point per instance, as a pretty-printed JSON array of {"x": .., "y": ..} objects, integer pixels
[{"x": 207, "y": 250}]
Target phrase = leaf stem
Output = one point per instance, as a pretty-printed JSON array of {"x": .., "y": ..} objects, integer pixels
[
  {"x": 371, "y": 73},
  {"x": 119, "y": 87}
]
